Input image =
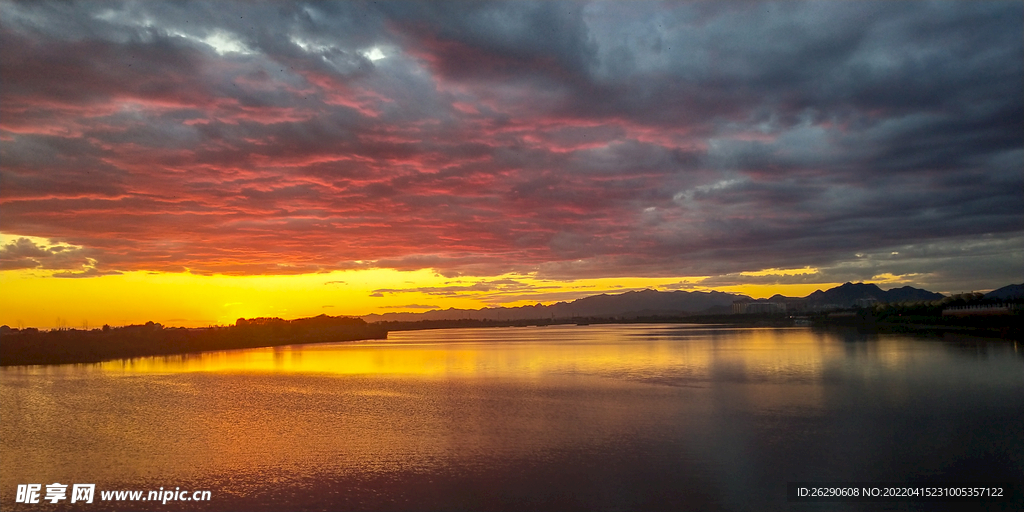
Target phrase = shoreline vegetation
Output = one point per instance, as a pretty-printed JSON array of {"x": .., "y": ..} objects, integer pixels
[
  {"x": 1003, "y": 327},
  {"x": 68, "y": 346}
]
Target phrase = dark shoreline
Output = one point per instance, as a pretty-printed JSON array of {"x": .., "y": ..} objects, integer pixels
[
  {"x": 72, "y": 346},
  {"x": 991, "y": 327}
]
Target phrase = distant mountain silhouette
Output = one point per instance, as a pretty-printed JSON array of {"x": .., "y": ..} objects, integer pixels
[
  {"x": 910, "y": 293},
  {"x": 629, "y": 304},
  {"x": 648, "y": 303},
  {"x": 1013, "y": 291},
  {"x": 848, "y": 294}
]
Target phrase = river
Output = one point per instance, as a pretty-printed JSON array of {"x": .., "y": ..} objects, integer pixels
[{"x": 599, "y": 417}]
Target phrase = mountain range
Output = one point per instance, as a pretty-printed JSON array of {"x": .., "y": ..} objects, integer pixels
[
  {"x": 849, "y": 294},
  {"x": 1010, "y": 292},
  {"x": 654, "y": 303},
  {"x": 633, "y": 303}
]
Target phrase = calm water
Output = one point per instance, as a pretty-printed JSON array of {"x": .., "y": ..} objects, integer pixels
[{"x": 622, "y": 417}]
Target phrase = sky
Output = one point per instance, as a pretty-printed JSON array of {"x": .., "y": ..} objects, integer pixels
[{"x": 195, "y": 162}]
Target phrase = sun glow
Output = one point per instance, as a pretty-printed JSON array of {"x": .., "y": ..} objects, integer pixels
[
  {"x": 781, "y": 272},
  {"x": 763, "y": 291},
  {"x": 35, "y": 298}
]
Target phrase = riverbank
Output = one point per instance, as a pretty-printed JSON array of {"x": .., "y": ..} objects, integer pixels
[
  {"x": 66, "y": 346},
  {"x": 1007, "y": 327}
]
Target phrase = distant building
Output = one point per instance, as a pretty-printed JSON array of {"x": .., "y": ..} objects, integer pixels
[
  {"x": 865, "y": 303},
  {"x": 981, "y": 310},
  {"x": 842, "y": 314},
  {"x": 753, "y": 307},
  {"x": 826, "y": 307}
]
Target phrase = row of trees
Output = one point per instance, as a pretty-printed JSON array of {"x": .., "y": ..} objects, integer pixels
[
  {"x": 20, "y": 347},
  {"x": 931, "y": 308}
]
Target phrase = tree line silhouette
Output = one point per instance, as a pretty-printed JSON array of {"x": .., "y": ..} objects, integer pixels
[
  {"x": 928, "y": 315},
  {"x": 60, "y": 346}
]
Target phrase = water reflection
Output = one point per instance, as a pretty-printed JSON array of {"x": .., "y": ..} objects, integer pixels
[
  {"x": 613, "y": 350},
  {"x": 595, "y": 417}
]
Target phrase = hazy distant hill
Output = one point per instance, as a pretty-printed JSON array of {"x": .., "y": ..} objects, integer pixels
[
  {"x": 909, "y": 293},
  {"x": 1013, "y": 291},
  {"x": 654, "y": 303},
  {"x": 629, "y": 304},
  {"x": 848, "y": 294}
]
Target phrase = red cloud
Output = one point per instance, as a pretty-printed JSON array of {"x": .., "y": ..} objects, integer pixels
[{"x": 482, "y": 147}]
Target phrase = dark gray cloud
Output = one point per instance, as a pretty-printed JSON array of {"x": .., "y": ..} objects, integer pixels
[
  {"x": 566, "y": 139},
  {"x": 28, "y": 254}
]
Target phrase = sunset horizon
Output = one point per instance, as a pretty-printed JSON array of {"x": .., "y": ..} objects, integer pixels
[
  {"x": 158, "y": 298},
  {"x": 195, "y": 164}
]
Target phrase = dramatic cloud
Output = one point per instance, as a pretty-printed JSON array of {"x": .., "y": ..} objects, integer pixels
[
  {"x": 24, "y": 253},
  {"x": 485, "y": 290},
  {"x": 556, "y": 139}
]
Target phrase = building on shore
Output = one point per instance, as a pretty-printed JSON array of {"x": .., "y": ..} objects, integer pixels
[
  {"x": 981, "y": 310},
  {"x": 746, "y": 307}
]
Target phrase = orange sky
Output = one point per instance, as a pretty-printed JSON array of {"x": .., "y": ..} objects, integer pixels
[{"x": 34, "y": 299}]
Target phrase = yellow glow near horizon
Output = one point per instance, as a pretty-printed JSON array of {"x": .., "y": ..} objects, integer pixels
[
  {"x": 892, "y": 279},
  {"x": 782, "y": 272},
  {"x": 763, "y": 291},
  {"x": 33, "y": 298}
]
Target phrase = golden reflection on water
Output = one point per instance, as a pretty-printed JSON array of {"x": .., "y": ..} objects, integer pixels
[
  {"x": 637, "y": 351},
  {"x": 774, "y": 368}
]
